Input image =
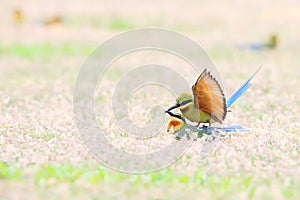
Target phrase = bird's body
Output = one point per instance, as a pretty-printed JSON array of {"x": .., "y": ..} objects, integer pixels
[
  {"x": 194, "y": 114},
  {"x": 207, "y": 102}
]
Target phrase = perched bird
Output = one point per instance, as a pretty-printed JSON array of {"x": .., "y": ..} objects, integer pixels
[
  {"x": 49, "y": 21},
  {"x": 271, "y": 43},
  {"x": 52, "y": 20},
  {"x": 18, "y": 16},
  {"x": 208, "y": 102}
]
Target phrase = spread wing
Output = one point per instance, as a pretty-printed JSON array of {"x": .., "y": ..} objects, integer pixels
[{"x": 209, "y": 96}]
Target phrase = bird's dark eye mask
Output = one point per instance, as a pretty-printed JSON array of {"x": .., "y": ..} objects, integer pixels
[
  {"x": 185, "y": 102},
  {"x": 181, "y": 104}
]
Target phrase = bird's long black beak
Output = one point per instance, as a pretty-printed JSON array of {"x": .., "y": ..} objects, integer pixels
[
  {"x": 174, "y": 115},
  {"x": 174, "y": 106}
]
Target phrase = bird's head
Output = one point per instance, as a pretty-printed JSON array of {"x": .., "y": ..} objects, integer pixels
[{"x": 182, "y": 101}]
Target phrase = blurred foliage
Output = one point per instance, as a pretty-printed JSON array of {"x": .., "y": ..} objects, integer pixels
[
  {"x": 9, "y": 171},
  {"x": 225, "y": 186},
  {"x": 44, "y": 50}
]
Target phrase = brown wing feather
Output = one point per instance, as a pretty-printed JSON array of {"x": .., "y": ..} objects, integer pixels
[{"x": 209, "y": 96}]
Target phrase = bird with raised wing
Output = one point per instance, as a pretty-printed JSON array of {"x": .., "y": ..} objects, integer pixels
[{"x": 208, "y": 102}]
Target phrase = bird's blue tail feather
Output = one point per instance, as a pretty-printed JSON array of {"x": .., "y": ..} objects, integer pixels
[{"x": 240, "y": 91}]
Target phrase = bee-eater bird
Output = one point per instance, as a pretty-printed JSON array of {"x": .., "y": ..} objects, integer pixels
[
  {"x": 49, "y": 21},
  {"x": 18, "y": 16},
  {"x": 271, "y": 43},
  {"x": 52, "y": 20},
  {"x": 208, "y": 102}
]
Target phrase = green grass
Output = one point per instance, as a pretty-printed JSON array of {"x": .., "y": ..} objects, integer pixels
[
  {"x": 219, "y": 185},
  {"x": 114, "y": 23},
  {"x": 220, "y": 52},
  {"x": 45, "y": 51},
  {"x": 10, "y": 171},
  {"x": 120, "y": 24}
]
